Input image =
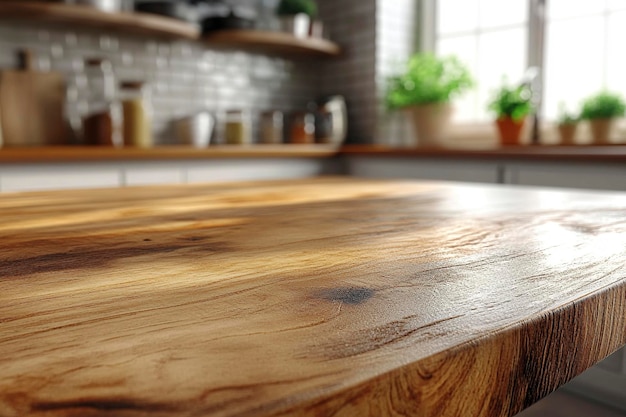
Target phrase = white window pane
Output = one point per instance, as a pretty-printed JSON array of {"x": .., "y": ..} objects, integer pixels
[
  {"x": 574, "y": 62},
  {"x": 501, "y": 54},
  {"x": 559, "y": 9},
  {"x": 455, "y": 16},
  {"x": 616, "y": 55},
  {"x": 497, "y": 13},
  {"x": 464, "y": 48},
  {"x": 616, "y": 4}
]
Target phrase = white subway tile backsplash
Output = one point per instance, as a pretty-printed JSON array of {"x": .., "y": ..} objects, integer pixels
[{"x": 185, "y": 76}]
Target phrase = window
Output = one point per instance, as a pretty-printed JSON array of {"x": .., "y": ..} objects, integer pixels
[
  {"x": 584, "y": 51},
  {"x": 582, "y": 48},
  {"x": 490, "y": 36}
]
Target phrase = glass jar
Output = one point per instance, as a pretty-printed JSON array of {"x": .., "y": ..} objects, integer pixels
[
  {"x": 272, "y": 127},
  {"x": 303, "y": 128},
  {"x": 136, "y": 109},
  {"x": 238, "y": 130},
  {"x": 102, "y": 120}
]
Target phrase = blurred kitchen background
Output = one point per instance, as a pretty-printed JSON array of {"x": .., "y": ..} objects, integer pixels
[{"x": 272, "y": 85}]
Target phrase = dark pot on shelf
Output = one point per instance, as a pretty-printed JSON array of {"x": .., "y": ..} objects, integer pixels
[
  {"x": 174, "y": 9},
  {"x": 231, "y": 21}
]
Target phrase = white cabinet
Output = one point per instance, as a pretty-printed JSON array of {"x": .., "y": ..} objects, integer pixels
[
  {"x": 567, "y": 175},
  {"x": 33, "y": 177},
  {"x": 59, "y": 176},
  {"x": 422, "y": 168},
  {"x": 258, "y": 169},
  {"x": 153, "y": 173}
]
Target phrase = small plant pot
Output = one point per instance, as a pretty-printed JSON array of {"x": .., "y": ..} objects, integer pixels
[
  {"x": 510, "y": 130},
  {"x": 299, "y": 25},
  {"x": 430, "y": 122},
  {"x": 567, "y": 132},
  {"x": 601, "y": 130}
]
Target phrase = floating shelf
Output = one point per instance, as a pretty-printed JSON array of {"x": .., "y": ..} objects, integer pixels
[
  {"x": 272, "y": 42},
  {"x": 87, "y": 17}
]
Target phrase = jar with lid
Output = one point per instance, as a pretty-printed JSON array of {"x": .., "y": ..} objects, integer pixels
[
  {"x": 136, "y": 109},
  {"x": 303, "y": 128},
  {"x": 238, "y": 128},
  {"x": 102, "y": 120},
  {"x": 272, "y": 127}
]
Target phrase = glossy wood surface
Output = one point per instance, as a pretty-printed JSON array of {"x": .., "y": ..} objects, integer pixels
[
  {"x": 323, "y": 297},
  {"x": 88, "y": 17},
  {"x": 272, "y": 42}
]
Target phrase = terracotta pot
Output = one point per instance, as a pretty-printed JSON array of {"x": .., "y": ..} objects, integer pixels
[
  {"x": 430, "y": 122},
  {"x": 601, "y": 130},
  {"x": 510, "y": 130},
  {"x": 567, "y": 131}
]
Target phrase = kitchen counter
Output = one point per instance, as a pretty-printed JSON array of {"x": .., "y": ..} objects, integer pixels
[{"x": 316, "y": 297}]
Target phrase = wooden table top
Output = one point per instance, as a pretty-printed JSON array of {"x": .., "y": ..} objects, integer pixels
[{"x": 323, "y": 297}]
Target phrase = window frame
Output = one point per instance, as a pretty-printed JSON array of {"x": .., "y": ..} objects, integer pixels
[{"x": 536, "y": 39}]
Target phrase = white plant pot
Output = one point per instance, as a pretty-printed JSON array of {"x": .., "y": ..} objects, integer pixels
[
  {"x": 430, "y": 122},
  {"x": 298, "y": 25}
]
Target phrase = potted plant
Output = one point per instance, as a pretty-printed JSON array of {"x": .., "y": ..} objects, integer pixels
[
  {"x": 296, "y": 16},
  {"x": 511, "y": 105},
  {"x": 601, "y": 110},
  {"x": 425, "y": 91},
  {"x": 567, "y": 125}
]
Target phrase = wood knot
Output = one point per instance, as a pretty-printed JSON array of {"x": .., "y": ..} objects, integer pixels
[{"x": 347, "y": 295}]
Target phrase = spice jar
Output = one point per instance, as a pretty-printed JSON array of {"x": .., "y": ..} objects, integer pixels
[
  {"x": 101, "y": 122},
  {"x": 303, "y": 128},
  {"x": 272, "y": 126},
  {"x": 135, "y": 98},
  {"x": 237, "y": 130}
]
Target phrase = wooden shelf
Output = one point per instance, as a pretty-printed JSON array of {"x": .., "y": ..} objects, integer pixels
[
  {"x": 145, "y": 24},
  {"x": 575, "y": 153},
  {"x": 85, "y": 153},
  {"x": 75, "y": 15},
  {"x": 582, "y": 154},
  {"x": 272, "y": 42}
]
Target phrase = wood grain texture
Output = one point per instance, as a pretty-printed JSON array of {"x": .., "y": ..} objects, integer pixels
[
  {"x": 88, "y": 17},
  {"x": 324, "y": 297}
]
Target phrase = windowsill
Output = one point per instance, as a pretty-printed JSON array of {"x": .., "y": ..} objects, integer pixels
[{"x": 574, "y": 153}]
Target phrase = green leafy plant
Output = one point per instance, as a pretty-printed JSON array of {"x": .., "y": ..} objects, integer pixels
[
  {"x": 567, "y": 117},
  {"x": 604, "y": 105},
  {"x": 512, "y": 102},
  {"x": 428, "y": 79},
  {"x": 292, "y": 7}
]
